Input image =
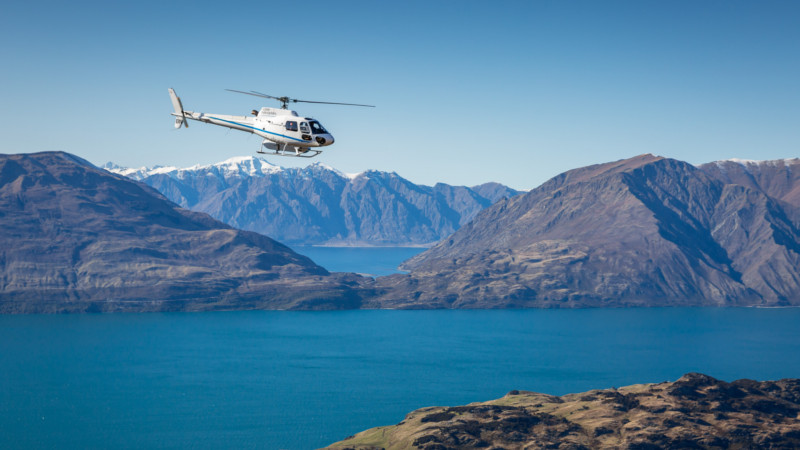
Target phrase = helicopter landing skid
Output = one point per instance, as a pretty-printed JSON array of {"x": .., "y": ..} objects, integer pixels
[{"x": 294, "y": 154}]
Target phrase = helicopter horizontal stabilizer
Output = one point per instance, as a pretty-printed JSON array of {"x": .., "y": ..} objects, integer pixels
[{"x": 180, "y": 116}]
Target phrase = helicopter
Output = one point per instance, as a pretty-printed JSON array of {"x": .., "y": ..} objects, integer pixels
[{"x": 285, "y": 133}]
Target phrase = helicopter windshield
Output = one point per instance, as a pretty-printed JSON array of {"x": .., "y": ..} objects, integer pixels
[{"x": 316, "y": 128}]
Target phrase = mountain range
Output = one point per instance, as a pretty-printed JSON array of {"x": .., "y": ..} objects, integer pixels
[
  {"x": 642, "y": 231},
  {"x": 318, "y": 205},
  {"x": 77, "y": 238}
]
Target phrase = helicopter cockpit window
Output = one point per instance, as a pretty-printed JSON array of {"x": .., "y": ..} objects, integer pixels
[
  {"x": 316, "y": 128},
  {"x": 291, "y": 126}
]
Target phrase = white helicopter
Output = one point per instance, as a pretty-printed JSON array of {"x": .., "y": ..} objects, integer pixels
[{"x": 284, "y": 132}]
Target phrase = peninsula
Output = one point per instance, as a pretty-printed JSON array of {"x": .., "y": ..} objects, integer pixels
[{"x": 696, "y": 411}]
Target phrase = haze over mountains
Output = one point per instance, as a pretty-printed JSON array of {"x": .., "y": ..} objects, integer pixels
[
  {"x": 320, "y": 205},
  {"x": 642, "y": 231}
]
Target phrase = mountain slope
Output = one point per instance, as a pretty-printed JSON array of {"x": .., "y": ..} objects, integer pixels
[
  {"x": 643, "y": 231},
  {"x": 319, "y": 205},
  {"x": 77, "y": 238},
  {"x": 696, "y": 411},
  {"x": 779, "y": 179}
]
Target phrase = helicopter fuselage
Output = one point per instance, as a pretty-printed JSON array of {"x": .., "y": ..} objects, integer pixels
[
  {"x": 281, "y": 126},
  {"x": 285, "y": 133}
]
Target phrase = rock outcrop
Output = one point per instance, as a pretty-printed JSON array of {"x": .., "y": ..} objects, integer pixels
[{"x": 696, "y": 411}]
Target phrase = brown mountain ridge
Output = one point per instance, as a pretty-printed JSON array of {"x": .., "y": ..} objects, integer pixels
[
  {"x": 780, "y": 179},
  {"x": 76, "y": 239},
  {"x": 645, "y": 231}
]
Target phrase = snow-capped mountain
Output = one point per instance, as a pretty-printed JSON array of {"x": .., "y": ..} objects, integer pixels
[
  {"x": 240, "y": 166},
  {"x": 318, "y": 204}
]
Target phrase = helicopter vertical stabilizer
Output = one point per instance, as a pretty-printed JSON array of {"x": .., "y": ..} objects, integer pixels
[{"x": 180, "y": 116}]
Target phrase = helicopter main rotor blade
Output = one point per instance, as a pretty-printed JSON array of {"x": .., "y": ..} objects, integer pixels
[
  {"x": 255, "y": 94},
  {"x": 333, "y": 103},
  {"x": 285, "y": 100},
  {"x": 294, "y": 100}
]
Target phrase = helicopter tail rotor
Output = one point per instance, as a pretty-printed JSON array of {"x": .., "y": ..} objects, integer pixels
[{"x": 180, "y": 115}]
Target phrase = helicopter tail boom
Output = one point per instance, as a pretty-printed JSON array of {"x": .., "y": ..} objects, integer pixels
[{"x": 180, "y": 115}]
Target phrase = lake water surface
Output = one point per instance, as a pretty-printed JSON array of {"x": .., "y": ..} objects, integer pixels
[
  {"x": 375, "y": 261},
  {"x": 300, "y": 380}
]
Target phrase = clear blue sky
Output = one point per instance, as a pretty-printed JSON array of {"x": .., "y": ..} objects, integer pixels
[{"x": 467, "y": 92}]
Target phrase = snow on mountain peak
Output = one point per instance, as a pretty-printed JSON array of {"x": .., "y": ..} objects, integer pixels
[
  {"x": 247, "y": 165},
  {"x": 235, "y": 167},
  {"x": 137, "y": 174},
  {"x": 753, "y": 166},
  {"x": 754, "y": 162},
  {"x": 231, "y": 167},
  {"x": 324, "y": 167}
]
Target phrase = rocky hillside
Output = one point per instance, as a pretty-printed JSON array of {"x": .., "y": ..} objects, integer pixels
[
  {"x": 77, "y": 238},
  {"x": 319, "y": 205},
  {"x": 642, "y": 231},
  {"x": 697, "y": 411},
  {"x": 779, "y": 179}
]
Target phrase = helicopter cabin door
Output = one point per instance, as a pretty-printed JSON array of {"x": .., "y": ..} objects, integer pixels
[{"x": 305, "y": 131}]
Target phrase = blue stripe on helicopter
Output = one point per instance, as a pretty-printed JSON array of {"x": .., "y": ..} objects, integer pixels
[{"x": 257, "y": 129}]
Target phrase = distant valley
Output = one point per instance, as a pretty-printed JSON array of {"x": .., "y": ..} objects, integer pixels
[{"x": 318, "y": 205}]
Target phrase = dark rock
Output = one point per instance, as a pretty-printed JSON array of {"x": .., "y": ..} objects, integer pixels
[
  {"x": 776, "y": 407},
  {"x": 438, "y": 417},
  {"x": 425, "y": 439},
  {"x": 599, "y": 431},
  {"x": 644, "y": 446}
]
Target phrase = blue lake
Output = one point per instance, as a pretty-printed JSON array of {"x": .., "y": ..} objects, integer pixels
[
  {"x": 375, "y": 261},
  {"x": 300, "y": 380}
]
